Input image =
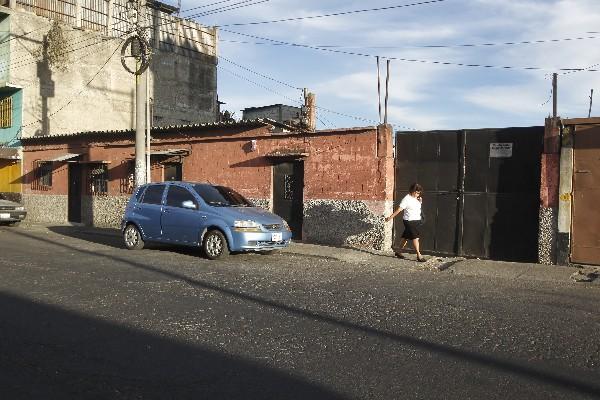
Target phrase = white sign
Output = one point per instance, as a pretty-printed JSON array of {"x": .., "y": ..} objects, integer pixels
[
  {"x": 501, "y": 150},
  {"x": 4, "y": 216}
]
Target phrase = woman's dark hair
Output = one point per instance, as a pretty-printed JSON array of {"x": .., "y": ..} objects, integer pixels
[{"x": 415, "y": 187}]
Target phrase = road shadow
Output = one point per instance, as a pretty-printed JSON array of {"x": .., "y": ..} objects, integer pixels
[
  {"x": 51, "y": 353},
  {"x": 112, "y": 238},
  {"x": 559, "y": 380}
]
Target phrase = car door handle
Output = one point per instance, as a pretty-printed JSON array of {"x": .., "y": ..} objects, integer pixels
[
  {"x": 203, "y": 216},
  {"x": 583, "y": 171}
]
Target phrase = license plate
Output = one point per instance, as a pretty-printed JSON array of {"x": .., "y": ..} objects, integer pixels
[
  {"x": 277, "y": 237},
  {"x": 7, "y": 216}
]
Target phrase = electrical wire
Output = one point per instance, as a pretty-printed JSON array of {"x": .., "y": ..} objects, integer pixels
[
  {"x": 370, "y": 121},
  {"x": 230, "y": 7},
  {"x": 206, "y": 5},
  {"x": 78, "y": 93},
  {"x": 420, "y": 61},
  {"x": 335, "y": 14},
  {"x": 430, "y": 46},
  {"x": 259, "y": 74}
]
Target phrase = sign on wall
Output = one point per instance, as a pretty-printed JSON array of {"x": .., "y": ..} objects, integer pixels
[{"x": 501, "y": 150}]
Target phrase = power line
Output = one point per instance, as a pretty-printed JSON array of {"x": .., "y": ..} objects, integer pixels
[
  {"x": 299, "y": 102},
  {"x": 79, "y": 93},
  {"x": 21, "y": 64},
  {"x": 430, "y": 46},
  {"x": 259, "y": 74},
  {"x": 206, "y": 5},
  {"x": 413, "y": 60},
  {"x": 229, "y": 8},
  {"x": 336, "y": 14}
]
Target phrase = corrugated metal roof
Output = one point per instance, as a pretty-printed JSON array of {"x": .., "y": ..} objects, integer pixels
[{"x": 167, "y": 129}]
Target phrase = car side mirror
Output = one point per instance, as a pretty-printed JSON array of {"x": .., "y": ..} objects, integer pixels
[{"x": 189, "y": 204}]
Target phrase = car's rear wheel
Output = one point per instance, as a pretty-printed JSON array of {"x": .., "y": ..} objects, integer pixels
[
  {"x": 133, "y": 238},
  {"x": 214, "y": 245}
]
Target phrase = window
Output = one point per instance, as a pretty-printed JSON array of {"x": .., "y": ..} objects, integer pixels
[
  {"x": 6, "y": 112},
  {"x": 153, "y": 195},
  {"x": 221, "y": 196},
  {"x": 43, "y": 175},
  {"x": 98, "y": 179},
  {"x": 177, "y": 195},
  {"x": 172, "y": 172},
  {"x": 139, "y": 193}
]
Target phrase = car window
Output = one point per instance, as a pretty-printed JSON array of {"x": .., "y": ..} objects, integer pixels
[
  {"x": 177, "y": 195},
  {"x": 221, "y": 196},
  {"x": 153, "y": 194},
  {"x": 139, "y": 193}
]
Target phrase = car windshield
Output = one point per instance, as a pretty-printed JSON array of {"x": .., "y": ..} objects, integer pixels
[{"x": 221, "y": 196}]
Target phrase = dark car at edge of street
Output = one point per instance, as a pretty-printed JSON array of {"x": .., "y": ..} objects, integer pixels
[{"x": 11, "y": 213}]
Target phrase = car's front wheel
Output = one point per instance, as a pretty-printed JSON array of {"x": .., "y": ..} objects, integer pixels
[
  {"x": 133, "y": 238},
  {"x": 214, "y": 245}
]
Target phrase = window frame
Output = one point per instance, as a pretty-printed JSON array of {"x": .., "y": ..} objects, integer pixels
[
  {"x": 182, "y": 188},
  {"x": 97, "y": 184}
]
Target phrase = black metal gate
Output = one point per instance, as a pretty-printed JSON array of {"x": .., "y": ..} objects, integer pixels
[
  {"x": 481, "y": 190},
  {"x": 74, "y": 196},
  {"x": 288, "y": 194}
]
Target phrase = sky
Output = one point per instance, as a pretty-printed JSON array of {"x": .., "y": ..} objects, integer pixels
[{"x": 255, "y": 70}]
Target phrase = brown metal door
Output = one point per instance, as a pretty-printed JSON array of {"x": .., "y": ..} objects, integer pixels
[{"x": 586, "y": 196}]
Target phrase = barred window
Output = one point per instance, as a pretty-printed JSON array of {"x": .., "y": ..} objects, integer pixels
[
  {"x": 6, "y": 112},
  {"x": 43, "y": 175},
  {"x": 98, "y": 179}
]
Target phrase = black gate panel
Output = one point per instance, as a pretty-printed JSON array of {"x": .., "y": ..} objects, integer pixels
[
  {"x": 481, "y": 190},
  {"x": 288, "y": 194}
]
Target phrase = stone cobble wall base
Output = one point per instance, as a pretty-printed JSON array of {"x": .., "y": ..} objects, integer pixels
[
  {"x": 347, "y": 223},
  {"x": 548, "y": 235},
  {"x": 103, "y": 211},
  {"x": 46, "y": 209}
]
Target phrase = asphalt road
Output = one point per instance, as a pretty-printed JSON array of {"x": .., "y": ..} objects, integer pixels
[{"x": 83, "y": 318}]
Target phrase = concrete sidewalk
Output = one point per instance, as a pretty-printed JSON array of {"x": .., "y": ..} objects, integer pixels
[{"x": 456, "y": 265}]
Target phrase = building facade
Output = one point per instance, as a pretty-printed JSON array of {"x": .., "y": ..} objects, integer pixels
[
  {"x": 333, "y": 186},
  {"x": 90, "y": 89}
]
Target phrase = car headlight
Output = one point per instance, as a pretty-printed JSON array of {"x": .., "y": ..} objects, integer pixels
[
  {"x": 286, "y": 225},
  {"x": 20, "y": 208},
  {"x": 246, "y": 226}
]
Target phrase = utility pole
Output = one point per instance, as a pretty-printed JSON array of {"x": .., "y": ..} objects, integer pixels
[
  {"x": 140, "y": 105},
  {"x": 591, "y": 98},
  {"x": 554, "y": 95},
  {"x": 387, "y": 86},
  {"x": 379, "y": 88}
]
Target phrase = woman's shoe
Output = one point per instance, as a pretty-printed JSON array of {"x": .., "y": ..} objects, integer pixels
[
  {"x": 399, "y": 255},
  {"x": 421, "y": 259}
]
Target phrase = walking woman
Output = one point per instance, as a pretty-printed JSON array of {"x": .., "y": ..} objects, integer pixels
[{"x": 411, "y": 205}]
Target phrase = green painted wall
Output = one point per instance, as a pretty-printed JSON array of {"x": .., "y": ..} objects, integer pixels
[{"x": 8, "y": 136}]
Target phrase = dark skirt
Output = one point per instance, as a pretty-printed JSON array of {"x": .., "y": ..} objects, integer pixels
[{"x": 411, "y": 229}]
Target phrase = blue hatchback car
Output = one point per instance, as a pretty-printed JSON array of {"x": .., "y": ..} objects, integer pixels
[{"x": 214, "y": 217}]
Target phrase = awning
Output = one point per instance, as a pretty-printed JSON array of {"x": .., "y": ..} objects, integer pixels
[
  {"x": 95, "y": 162},
  {"x": 64, "y": 157},
  {"x": 288, "y": 153},
  {"x": 170, "y": 152},
  {"x": 9, "y": 153}
]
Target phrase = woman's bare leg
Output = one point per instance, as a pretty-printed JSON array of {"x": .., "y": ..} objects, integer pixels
[{"x": 415, "y": 243}]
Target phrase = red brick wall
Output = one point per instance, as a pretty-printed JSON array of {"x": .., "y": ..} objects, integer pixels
[{"x": 351, "y": 164}]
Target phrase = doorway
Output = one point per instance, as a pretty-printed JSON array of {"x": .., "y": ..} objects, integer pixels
[
  {"x": 585, "y": 238},
  {"x": 74, "y": 198},
  {"x": 288, "y": 194}
]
